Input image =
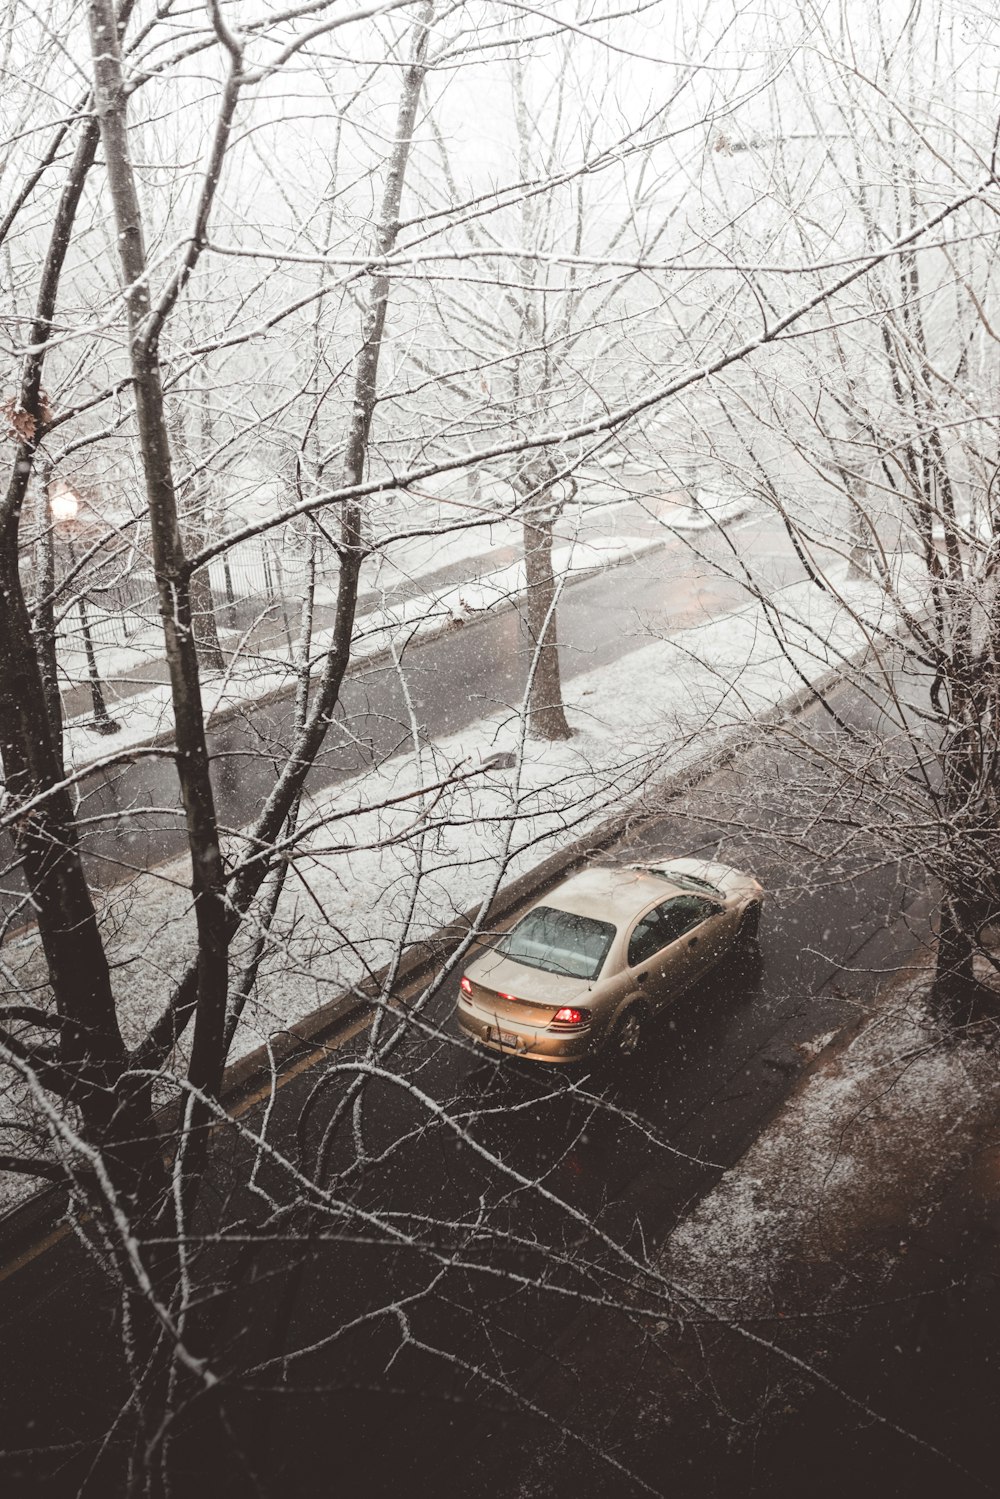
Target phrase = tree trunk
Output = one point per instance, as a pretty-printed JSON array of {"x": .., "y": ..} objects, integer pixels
[
  {"x": 206, "y": 634},
  {"x": 953, "y": 997},
  {"x": 44, "y": 613},
  {"x": 172, "y": 572},
  {"x": 91, "y": 1055},
  {"x": 308, "y": 742},
  {"x": 546, "y": 716},
  {"x": 206, "y": 631}
]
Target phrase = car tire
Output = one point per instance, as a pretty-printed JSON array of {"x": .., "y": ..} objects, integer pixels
[
  {"x": 749, "y": 930},
  {"x": 629, "y": 1034}
]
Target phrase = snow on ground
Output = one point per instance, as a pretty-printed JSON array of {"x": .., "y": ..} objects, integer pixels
[
  {"x": 396, "y": 852},
  {"x": 148, "y": 716},
  {"x": 855, "y": 1160},
  {"x": 144, "y": 646},
  {"x": 413, "y": 557}
]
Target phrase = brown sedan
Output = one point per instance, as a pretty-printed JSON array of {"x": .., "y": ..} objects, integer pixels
[{"x": 588, "y": 967}]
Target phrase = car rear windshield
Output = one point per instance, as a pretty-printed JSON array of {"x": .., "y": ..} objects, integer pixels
[{"x": 559, "y": 942}]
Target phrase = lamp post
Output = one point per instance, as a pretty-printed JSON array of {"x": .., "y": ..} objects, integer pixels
[{"x": 64, "y": 504}]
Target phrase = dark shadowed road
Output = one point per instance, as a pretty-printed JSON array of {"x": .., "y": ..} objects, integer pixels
[{"x": 477, "y": 1209}]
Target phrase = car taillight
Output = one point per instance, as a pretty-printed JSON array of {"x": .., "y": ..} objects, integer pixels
[
  {"x": 465, "y": 985},
  {"x": 568, "y": 1016}
]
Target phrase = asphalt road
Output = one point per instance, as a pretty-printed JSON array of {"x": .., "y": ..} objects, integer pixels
[
  {"x": 382, "y": 1344},
  {"x": 453, "y": 681}
]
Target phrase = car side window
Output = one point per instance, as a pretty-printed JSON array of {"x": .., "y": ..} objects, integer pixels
[
  {"x": 689, "y": 911},
  {"x": 647, "y": 938},
  {"x": 681, "y": 914},
  {"x": 663, "y": 925}
]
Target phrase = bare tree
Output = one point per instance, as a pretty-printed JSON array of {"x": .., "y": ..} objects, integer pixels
[
  {"x": 876, "y": 434},
  {"x": 84, "y": 1059},
  {"x": 559, "y": 318},
  {"x": 347, "y": 358}
]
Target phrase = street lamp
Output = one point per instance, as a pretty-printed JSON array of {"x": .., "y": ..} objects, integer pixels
[
  {"x": 64, "y": 506},
  {"x": 64, "y": 502}
]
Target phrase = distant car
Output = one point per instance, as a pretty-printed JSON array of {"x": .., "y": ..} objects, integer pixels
[{"x": 588, "y": 967}]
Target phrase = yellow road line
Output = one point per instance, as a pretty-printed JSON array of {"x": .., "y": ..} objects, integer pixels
[
  {"x": 302, "y": 1065},
  {"x": 56, "y": 1235},
  {"x": 32, "y": 1253}
]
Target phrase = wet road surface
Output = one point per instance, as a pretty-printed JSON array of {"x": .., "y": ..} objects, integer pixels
[{"x": 375, "y": 1343}]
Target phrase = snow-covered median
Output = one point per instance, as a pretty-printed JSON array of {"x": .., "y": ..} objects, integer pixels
[
  {"x": 147, "y": 716},
  {"x": 709, "y": 509}
]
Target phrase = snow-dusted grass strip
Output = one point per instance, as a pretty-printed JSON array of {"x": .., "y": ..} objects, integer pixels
[
  {"x": 844, "y": 1173},
  {"x": 412, "y": 557}
]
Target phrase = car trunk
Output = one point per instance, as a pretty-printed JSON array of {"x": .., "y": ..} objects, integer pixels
[{"x": 524, "y": 995}]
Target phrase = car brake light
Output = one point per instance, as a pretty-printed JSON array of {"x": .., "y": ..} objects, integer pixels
[
  {"x": 512, "y": 997},
  {"x": 465, "y": 985},
  {"x": 568, "y": 1016}
]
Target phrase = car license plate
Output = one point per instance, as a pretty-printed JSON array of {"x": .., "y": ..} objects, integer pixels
[{"x": 506, "y": 1038}]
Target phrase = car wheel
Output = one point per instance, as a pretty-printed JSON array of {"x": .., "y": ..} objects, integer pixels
[
  {"x": 750, "y": 925},
  {"x": 630, "y": 1033}
]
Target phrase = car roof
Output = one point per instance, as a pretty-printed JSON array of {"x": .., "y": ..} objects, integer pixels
[{"x": 607, "y": 894}]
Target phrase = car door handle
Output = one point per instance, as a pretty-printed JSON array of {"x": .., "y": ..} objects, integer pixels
[
  {"x": 642, "y": 978},
  {"x": 693, "y": 942}
]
